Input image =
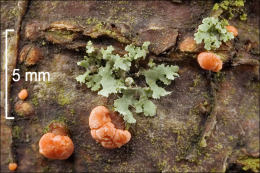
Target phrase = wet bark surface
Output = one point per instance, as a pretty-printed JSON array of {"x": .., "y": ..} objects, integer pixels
[{"x": 210, "y": 121}]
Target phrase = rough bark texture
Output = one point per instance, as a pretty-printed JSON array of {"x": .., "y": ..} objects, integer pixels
[{"x": 210, "y": 122}]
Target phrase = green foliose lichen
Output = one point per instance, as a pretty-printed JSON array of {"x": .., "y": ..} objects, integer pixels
[
  {"x": 252, "y": 164},
  {"x": 109, "y": 73},
  {"x": 212, "y": 32},
  {"x": 231, "y": 8}
]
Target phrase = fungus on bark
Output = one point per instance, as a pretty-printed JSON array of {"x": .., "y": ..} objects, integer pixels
[
  {"x": 104, "y": 131},
  {"x": 210, "y": 61},
  {"x": 56, "y": 144}
]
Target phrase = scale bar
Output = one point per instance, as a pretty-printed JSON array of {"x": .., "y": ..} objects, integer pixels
[{"x": 6, "y": 74}]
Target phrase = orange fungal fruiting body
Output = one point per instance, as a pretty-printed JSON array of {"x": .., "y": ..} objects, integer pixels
[
  {"x": 188, "y": 45},
  {"x": 98, "y": 117},
  {"x": 232, "y": 29},
  {"x": 12, "y": 166},
  {"x": 121, "y": 137},
  {"x": 58, "y": 128},
  {"x": 210, "y": 61},
  {"x": 104, "y": 131},
  {"x": 23, "y": 94},
  {"x": 56, "y": 144},
  {"x": 24, "y": 108}
]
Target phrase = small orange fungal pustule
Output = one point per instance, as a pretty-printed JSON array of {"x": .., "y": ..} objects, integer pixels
[
  {"x": 188, "y": 45},
  {"x": 12, "y": 166},
  {"x": 23, "y": 94},
  {"x": 232, "y": 29},
  {"x": 24, "y": 108},
  {"x": 104, "y": 131},
  {"x": 210, "y": 61}
]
